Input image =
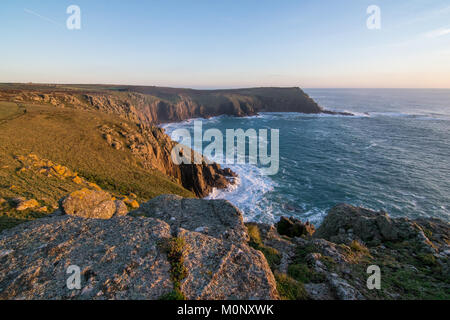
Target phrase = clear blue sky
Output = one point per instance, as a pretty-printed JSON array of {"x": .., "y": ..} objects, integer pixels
[{"x": 227, "y": 43}]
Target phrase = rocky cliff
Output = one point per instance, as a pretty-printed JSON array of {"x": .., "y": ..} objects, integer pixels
[
  {"x": 177, "y": 248},
  {"x": 153, "y": 148},
  {"x": 332, "y": 262},
  {"x": 146, "y": 107},
  {"x": 170, "y": 248},
  {"x": 49, "y": 111},
  {"x": 153, "y": 105}
]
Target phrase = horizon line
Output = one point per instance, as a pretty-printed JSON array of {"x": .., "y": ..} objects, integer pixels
[{"x": 224, "y": 87}]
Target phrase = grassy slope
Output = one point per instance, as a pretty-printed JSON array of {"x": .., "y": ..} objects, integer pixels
[
  {"x": 71, "y": 138},
  {"x": 9, "y": 110}
]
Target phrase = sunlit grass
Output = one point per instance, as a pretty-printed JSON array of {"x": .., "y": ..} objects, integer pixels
[{"x": 71, "y": 138}]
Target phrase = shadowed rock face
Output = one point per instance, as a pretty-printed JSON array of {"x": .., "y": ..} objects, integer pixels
[
  {"x": 292, "y": 227},
  {"x": 124, "y": 257},
  {"x": 153, "y": 148}
]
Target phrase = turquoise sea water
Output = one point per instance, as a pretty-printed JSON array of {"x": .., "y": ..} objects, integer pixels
[{"x": 393, "y": 155}]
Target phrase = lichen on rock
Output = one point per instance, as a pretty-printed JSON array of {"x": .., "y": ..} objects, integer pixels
[
  {"x": 124, "y": 257},
  {"x": 87, "y": 203}
]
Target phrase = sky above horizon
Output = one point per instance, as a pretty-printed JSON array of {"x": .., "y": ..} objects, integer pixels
[{"x": 228, "y": 44}]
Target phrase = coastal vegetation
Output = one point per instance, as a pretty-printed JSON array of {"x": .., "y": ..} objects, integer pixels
[{"x": 174, "y": 249}]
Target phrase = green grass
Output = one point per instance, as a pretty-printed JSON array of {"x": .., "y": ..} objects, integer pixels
[
  {"x": 272, "y": 255},
  {"x": 9, "y": 110},
  {"x": 10, "y": 217},
  {"x": 302, "y": 251},
  {"x": 71, "y": 138},
  {"x": 175, "y": 256},
  {"x": 303, "y": 273},
  {"x": 406, "y": 273},
  {"x": 414, "y": 285},
  {"x": 254, "y": 234},
  {"x": 290, "y": 289},
  {"x": 173, "y": 295},
  {"x": 174, "y": 248},
  {"x": 359, "y": 247},
  {"x": 427, "y": 259}
]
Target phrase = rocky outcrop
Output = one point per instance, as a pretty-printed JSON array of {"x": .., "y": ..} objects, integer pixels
[
  {"x": 24, "y": 204},
  {"x": 292, "y": 227},
  {"x": 413, "y": 255},
  {"x": 220, "y": 264},
  {"x": 123, "y": 257},
  {"x": 98, "y": 204},
  {"x": 153, "y": 148},
  {"x": 217, "y": 256},
  {"x": 345, "y": 223},
  {"x": 215, "y": 218},
  {"x": 45, "y": 167},
  {"x": 118, "y": 259},
  {"x": 219, "y": 269}
]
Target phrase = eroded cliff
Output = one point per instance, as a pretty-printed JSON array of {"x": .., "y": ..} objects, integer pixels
[{"x": 153, "y": 105}]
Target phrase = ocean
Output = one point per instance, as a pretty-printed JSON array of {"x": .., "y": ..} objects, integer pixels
[{"x": 392, "y": 155}]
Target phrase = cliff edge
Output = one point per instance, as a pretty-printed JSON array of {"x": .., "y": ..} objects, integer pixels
[
  {"x": 154, "y": 105},
  {"x": 177, "y": 248},
  {"x": 170, "y": 248}
]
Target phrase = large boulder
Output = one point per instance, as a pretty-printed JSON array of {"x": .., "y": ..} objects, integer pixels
[
  {"x": 127, "y": 258},
  {"x": 216, "y": 218},
  {"x": 218, "y": 269},
  {"x": 345, "y": 223},
  {"x": 87, "y": 203},
  {"x": 219, "y": 261},
  {"x": 292, "y": 227},
  {"x": 118, "y": 259}
]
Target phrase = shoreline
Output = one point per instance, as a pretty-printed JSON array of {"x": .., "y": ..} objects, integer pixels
[{"x": 249, "y": 206}]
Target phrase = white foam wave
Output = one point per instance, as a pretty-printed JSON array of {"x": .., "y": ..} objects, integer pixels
[
  {"x": 416, "y": 116},
  {"x": 247, "y": 193}
]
